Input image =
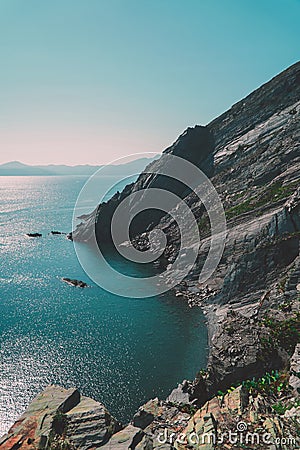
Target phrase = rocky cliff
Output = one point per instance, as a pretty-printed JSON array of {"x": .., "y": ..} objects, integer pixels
[
  {"x": 222, "y": 149},
  {"x": 251, "y": 153}
]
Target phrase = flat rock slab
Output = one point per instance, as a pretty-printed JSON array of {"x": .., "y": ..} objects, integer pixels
[{"x": 128, "y": 438}]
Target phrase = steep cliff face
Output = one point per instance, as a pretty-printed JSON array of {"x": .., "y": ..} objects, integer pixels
[
  {"x": 253, "y": 132},
  {"x": 195, "y": 145},
  {"x": 252, "y": 155},
  {"x": 256, "y": 173},
  {"x": 274, "y": 96}
]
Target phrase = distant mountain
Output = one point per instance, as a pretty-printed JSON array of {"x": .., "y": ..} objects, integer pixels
[{"x": 16, "y": 168}]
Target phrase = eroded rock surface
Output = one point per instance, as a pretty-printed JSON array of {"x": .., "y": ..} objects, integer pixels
[{"x": 59, "y": 416}]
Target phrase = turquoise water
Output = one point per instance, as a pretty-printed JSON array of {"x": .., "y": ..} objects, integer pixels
[{"x": 120, "y": 351}]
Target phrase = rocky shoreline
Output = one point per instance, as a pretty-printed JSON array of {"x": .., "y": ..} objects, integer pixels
[
  {"x": 263, "y": 413},
  {"x": 251, "y": 153}
]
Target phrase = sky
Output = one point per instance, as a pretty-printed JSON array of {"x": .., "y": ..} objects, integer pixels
[{"x": 89, "y": 81}]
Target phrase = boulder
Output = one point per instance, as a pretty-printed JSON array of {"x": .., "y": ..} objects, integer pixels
[
  {"x": 61, "y": 417},
  {"x": 90, "y": 424}
]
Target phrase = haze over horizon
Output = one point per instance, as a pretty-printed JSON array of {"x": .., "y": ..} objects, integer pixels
[
  {"x": 87, "y": 83},
  {"x": 122, "y": 161}
]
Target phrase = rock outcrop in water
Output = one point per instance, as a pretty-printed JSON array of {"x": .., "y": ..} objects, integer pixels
[
  {"x": 252, "y": 155},
  {"x": 75, "y": 283}
]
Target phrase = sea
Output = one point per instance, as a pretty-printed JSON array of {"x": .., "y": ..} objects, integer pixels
[{"x": 121, "y": 351}]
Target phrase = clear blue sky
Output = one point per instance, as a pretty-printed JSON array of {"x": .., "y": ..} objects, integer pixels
[{"x": 86, "y": 81}]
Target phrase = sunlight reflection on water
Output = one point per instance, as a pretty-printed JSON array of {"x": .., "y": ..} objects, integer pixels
[{"x": 121, "y": 351}]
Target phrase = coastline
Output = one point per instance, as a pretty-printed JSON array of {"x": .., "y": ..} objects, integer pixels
[{"x": 251, "y": 303}]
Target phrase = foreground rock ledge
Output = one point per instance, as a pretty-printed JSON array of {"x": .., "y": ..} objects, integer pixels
[
  {"x": 63, "y": 419},
  {"x": 43, "y": 425}
]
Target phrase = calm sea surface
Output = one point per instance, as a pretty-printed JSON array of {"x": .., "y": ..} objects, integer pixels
[{"x": 120, "y": 351}]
